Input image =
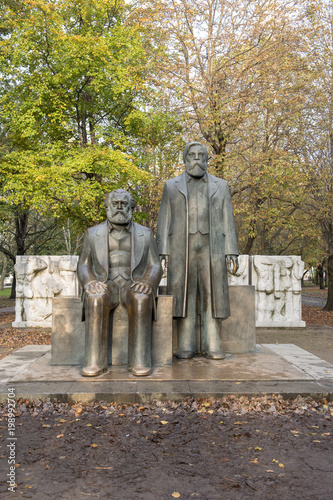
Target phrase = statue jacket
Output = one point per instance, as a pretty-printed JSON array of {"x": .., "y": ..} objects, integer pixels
[
  {"x": 94, "y": 259},
  {"x": 172, "y": 240}
]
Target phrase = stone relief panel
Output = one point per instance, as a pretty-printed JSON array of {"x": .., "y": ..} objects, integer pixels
[
  {"x": 277, "y": 281},
  {"x": 38, "y": 280},
  {"x": 242, "y": 275}
]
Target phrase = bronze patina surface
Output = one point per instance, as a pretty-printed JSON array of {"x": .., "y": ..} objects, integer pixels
[
  {"x": 196, "y": 236},
  {"x": 119, "y": 264}
]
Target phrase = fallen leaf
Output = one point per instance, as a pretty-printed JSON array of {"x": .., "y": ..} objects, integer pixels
[
  {"x": 94, "y": 445},
  {"x": 60, "y": 435},
  {"x": 175, "y": 494},
  {"x": 281, "y": 465},
  {"x": 164, "y": 422}
]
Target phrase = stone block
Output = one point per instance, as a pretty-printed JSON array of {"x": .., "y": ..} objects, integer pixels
[
  {"x": 239, "y": 330},
  {"x": 68, "y": 337},
  {"x": 162, "y": 332},
  {"x": 68, "y": 333}
]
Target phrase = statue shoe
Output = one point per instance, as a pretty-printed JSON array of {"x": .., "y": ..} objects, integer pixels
[
  {"x": 185, "y": 354},
  {"x": 141, "y": 371},
  {"x": 214, "y": 355},
  {"x": 92, "y": 371}
]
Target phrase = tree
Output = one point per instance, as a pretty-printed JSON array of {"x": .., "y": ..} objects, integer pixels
[
  {"x": 71, "y": 73},
  {"x": 315, "y": 129},
  {"x": 236, "y": 76}
]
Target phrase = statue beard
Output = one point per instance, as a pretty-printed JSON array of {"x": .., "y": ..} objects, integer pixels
[
  {"x": 196, "y": 170},
  {"x": 121, "y": 218}
]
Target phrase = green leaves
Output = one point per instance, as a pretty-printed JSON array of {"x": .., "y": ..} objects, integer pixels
[{"x": 69, "y": 182}]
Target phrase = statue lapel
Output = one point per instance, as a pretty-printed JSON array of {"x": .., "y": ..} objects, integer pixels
[
  {"x": 181, "y": 184},
  {"x": 102, "y": 247},
  {"x": 137, "y": 245},
  {"x": 212, "y": 185}
]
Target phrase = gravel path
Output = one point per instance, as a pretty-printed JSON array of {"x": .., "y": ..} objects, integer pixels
[{"x": 312, "y": 300}]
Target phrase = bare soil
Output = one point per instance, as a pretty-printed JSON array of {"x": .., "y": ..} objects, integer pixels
[{"x": 233, "y": 448}]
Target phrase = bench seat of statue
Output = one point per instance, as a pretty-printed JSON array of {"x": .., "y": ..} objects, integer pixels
[{"x": 68, "y": 333}]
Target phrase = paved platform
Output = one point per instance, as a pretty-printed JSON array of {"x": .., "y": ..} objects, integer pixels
[{"x": 280, "y": 369}]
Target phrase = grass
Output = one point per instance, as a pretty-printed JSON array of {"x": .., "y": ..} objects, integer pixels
[{"x": 5, "y": 293}]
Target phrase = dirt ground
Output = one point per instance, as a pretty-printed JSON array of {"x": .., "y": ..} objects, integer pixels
[{"x": 233, "y": 448}]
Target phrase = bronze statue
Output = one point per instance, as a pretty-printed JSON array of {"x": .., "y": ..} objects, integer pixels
[
  {"x": 195, "y": 235},
  {"x": 119, "y": 264}
]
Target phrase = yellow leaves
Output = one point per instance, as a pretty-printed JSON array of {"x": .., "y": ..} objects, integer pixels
[
  {"x": 175, "y": 494},
  {"x": 94, "y": 445},
  {"x": 164, "y": 422},
  {"x": 60, "y": 435},
  {"x": 274, "y": 461}
]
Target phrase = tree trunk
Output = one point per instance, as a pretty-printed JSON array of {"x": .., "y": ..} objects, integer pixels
[
  {"x": 4, "y": 271},
  {"x": 249, "y": 245},
  {"x": 329, "y": 303},
  {"x": 13, "y": 290}
]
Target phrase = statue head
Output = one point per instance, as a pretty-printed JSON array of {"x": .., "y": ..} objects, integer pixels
[
  {"x": 195, "y": 157},
  {"x": 119, "y": 206}
]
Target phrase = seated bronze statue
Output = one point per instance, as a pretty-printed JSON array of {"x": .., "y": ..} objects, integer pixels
[{"x": 119, "y": 264}]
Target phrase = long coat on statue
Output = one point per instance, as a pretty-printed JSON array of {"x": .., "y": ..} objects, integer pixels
[{"x": 172, "y": 240}]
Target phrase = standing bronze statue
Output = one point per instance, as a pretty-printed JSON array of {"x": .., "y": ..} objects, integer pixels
[
  {"x": 119, "y": 264},
  {"x": 196, "y": 235}
]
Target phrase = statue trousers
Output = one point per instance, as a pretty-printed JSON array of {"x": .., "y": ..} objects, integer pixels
[
  {"x": 139, "y": 308},
  {"x": 199, "y": 303}
]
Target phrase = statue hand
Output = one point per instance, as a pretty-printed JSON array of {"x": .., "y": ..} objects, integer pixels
[
  {"x": 95, "y": 288},
  {"x": 233, "y": 260},
  {"x": 142, "y": 287}
]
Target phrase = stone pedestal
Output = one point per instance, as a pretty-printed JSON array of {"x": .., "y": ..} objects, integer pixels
[
  {"x": 239, "y": 330},
  {"x": 68, "y": 340},
  {"x": 68, "y": 333}
]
